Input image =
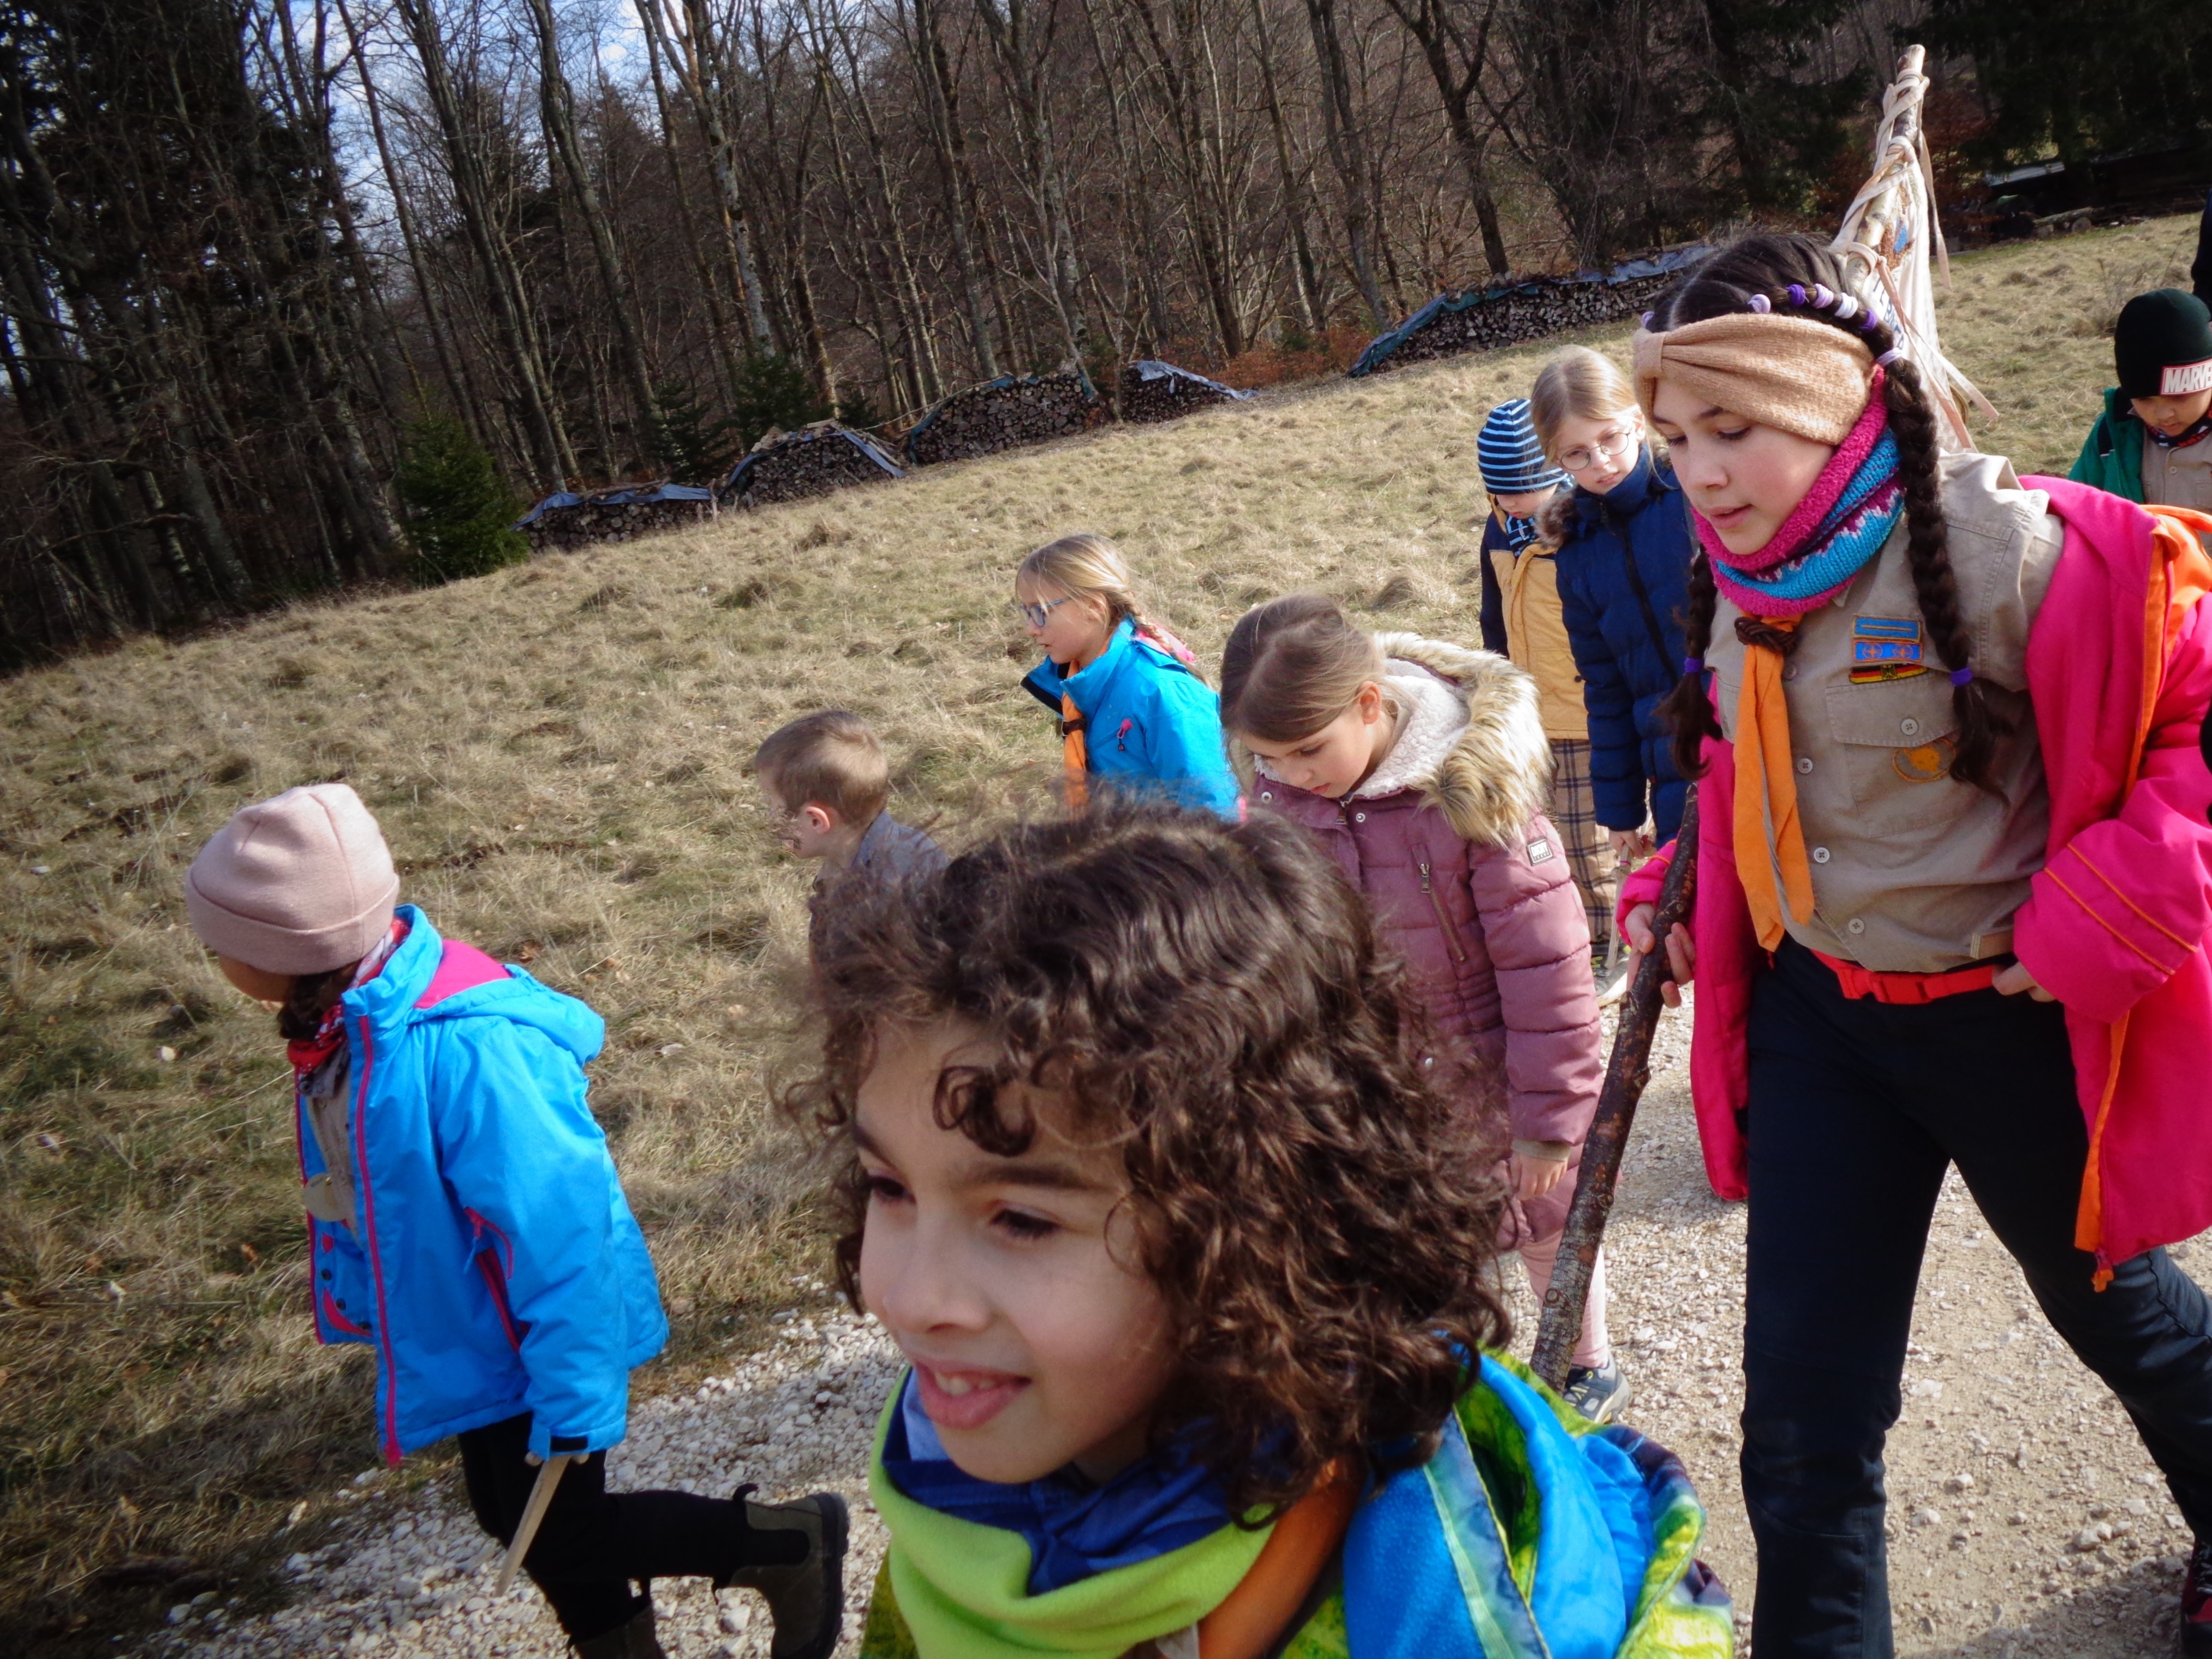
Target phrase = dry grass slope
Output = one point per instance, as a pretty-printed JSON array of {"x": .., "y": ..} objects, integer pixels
[{"x": 557, "y": 754}]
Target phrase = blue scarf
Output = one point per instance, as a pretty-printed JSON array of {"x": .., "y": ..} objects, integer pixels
[{"x": 1075, "y": 1528}]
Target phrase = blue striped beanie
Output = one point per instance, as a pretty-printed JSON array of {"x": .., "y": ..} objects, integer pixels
[{"x": 1511, "y": 458}]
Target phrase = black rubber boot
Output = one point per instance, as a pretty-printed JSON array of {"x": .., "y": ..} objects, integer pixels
[
  {"x": 635, "y": 1640},
  {"x": 807, "y": 1597}
]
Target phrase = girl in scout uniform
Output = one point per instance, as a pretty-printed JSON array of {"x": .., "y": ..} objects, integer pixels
[{"x": 1955, "y": 877}]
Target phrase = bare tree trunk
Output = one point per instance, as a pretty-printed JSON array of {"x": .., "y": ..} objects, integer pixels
[
  {"x": 560, "y": 106},
  {"x": 470, "y": 195},
  {"x": 648, "y": 15},
  {"x": 1347, "y": 149},
  {"x": 463, "y": 396},
  {"x": 694, "y": 55},
  {"x": 1311, "y": 294},
  {"x": 1021, "y": 46},
  {"x": 941, "y": 110}
]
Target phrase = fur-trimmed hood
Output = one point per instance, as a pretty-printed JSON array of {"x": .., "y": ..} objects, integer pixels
[{"x": 1496, "y": 774}]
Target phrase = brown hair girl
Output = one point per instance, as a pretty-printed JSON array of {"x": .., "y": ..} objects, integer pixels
[{"x": 1767, "y": 267}]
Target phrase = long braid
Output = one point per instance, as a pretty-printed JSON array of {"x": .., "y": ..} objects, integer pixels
[
  {"x": 1686, "y": 708},
  {"x": 1928, "y": 553},
  {"x": 1756, "y": 274}
]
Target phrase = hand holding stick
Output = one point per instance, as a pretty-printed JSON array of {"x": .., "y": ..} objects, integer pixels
[
  {"x": 1625, "y": 1078},
  {"x": 533, "y": 1513}
]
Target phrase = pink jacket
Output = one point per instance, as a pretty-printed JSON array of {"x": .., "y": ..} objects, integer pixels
[
  {"x": 2119, "y": 668},
  {"x": 1471, "y": 883}
]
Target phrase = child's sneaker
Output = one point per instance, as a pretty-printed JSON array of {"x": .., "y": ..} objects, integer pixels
[
  {"x": 806, "y": 1597},
  {"x": 1601, "y": 1395},
  {"x": 2195, "y": 1633}
]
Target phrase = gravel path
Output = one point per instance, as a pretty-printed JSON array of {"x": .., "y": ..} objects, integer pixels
[{"x": 2025, "y": 1517}]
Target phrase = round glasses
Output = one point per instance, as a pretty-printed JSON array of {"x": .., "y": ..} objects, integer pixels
[
  {"x": 1608, "y": 444},
  {"x": 1036, "y": 616}
]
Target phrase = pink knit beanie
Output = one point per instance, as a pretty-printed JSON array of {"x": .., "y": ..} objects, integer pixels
[{"x": 299, "y": 884}]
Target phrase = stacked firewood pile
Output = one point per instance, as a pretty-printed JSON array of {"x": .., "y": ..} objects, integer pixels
[
  {"x": 1484, "y": 319},
  {"x": 787, "y": 466},
  {"x": 566, "y": 521},
  {"x": 1005, "y": 414},
  {"x": 1154, "y": 390}
]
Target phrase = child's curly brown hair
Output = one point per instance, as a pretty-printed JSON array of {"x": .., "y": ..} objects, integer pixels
[{"x": 1213, "y": 998}]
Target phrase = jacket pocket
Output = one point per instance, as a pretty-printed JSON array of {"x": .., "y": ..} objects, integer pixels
[
  {"x": 1437, "y": 903},
  {"x": 494, "y": 1259},
  {"x": 1893, "y": 739}
]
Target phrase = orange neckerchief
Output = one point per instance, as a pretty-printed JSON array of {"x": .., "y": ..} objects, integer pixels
[
  {"x": 1765, "y": 777},
  {"x": 1259, "y": 1611},
  {"x": 1074, "y": 754}
]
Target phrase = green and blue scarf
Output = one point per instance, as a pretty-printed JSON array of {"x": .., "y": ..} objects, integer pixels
[{"x": 1530, "y": 1534}]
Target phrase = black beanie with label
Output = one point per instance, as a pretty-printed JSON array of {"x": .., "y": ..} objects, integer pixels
[{"x": 2162, "y": 345}]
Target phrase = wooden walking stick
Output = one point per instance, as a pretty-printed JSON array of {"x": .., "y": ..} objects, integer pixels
[
  {"x": 1625, "y": 1078},
  {"x": 533, "y": 1512}
]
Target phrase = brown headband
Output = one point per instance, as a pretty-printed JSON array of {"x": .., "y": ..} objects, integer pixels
[{"x": 1785, "y": 372}]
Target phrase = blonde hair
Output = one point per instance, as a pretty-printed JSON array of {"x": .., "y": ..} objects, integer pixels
[
  {"x": 1088, "y": 565},
  {"x": 1574, "y": 383},
  {"x": 1291, "y": 665},
  {"x": 830, "y": 759}
]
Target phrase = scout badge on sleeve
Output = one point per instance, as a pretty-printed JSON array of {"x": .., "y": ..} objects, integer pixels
[{"x": 1886, "y": 648}]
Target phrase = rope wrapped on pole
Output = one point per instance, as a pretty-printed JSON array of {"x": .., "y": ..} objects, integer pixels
[
  {"x": 1888, "y": 234},
  {"x": 1625, "y": 1076}
]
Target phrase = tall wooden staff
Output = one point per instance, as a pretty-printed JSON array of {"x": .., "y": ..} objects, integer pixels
[{"x": 1625, "y": 1078}]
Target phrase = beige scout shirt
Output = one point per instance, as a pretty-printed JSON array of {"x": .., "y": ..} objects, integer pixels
[
  {"x": 1914, "y": 873},
  {"x": 2178, "y": 477}
]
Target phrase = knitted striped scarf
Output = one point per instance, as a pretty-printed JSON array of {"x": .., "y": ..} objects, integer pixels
[{"x": 1841, "y": 523}]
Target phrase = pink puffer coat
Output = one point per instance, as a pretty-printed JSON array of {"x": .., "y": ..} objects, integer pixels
[{"x": 1448, "y": 841}]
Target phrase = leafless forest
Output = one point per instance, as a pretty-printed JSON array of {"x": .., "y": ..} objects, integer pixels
[{"x": 251, "y": 251}]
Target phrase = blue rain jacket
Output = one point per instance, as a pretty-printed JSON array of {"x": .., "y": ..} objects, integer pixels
[
  {"x": 492, "y": 1261},
  {"x": 1623, "y": 571},
  {"x": 1146, "y": 718}
]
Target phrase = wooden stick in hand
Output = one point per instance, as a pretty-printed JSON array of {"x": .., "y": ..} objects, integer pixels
[{"x": 1625, "y": 1078}]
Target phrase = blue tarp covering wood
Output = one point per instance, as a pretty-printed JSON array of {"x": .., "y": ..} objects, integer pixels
[
  {"x": 620, "y": 496},
  {"x": 1591, "y": 297},
  {"x": 739, "y": 483}
]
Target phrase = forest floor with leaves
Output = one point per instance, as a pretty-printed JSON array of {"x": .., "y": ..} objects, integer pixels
[{"x": 557, "y": 754}]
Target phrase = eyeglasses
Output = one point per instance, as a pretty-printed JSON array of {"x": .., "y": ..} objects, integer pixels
[
  {"x": 1608, "y": 444},
  {"x": 1036, "y": 616}
]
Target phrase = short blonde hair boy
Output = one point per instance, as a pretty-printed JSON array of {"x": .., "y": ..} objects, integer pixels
[{"x": 831, "y": 758}]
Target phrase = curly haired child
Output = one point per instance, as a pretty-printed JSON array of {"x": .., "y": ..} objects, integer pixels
[
  {"x": 464, "y": 1221},
  {"x": 1954, "y": 889},
  {"x": 1132, "y": 711},
  {"x": 1147, "y": 1178}
]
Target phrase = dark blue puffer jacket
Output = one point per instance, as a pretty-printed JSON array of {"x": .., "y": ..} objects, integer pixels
[{"x": 1623, "y": 571}]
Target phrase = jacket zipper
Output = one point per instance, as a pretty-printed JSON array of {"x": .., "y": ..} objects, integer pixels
[
  {"x": 375, "y": 1251},
  {"x": 1437, "y": 903}
]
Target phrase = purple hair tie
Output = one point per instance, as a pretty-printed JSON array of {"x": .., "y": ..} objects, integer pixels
[
  {"x": 1961, "y": 676},
  {"x": 1872, "y": 321},
  {"x": 1761, "y": 304},
  {"x": 1796, "y": 293},
  {"x": 1693, "y": 665},
  {"x": 1823, "y": 296},
  {"x": 1645, "y": 320},
  {"x": 1889, "y": 357}
]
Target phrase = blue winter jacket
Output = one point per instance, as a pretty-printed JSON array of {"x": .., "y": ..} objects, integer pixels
[
  {"x": 1145, "y": 718},
  {"x": 492, "y": 1260},
  {"x": 1623, "y": 571}
]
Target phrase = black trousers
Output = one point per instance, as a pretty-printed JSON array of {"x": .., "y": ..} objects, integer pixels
[
  {"x": 593, "y": 1543},
  {"x": 1857, "y": 1109}
]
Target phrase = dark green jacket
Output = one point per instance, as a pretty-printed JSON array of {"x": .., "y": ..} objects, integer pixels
[{"x": 2112, "y": 457}]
